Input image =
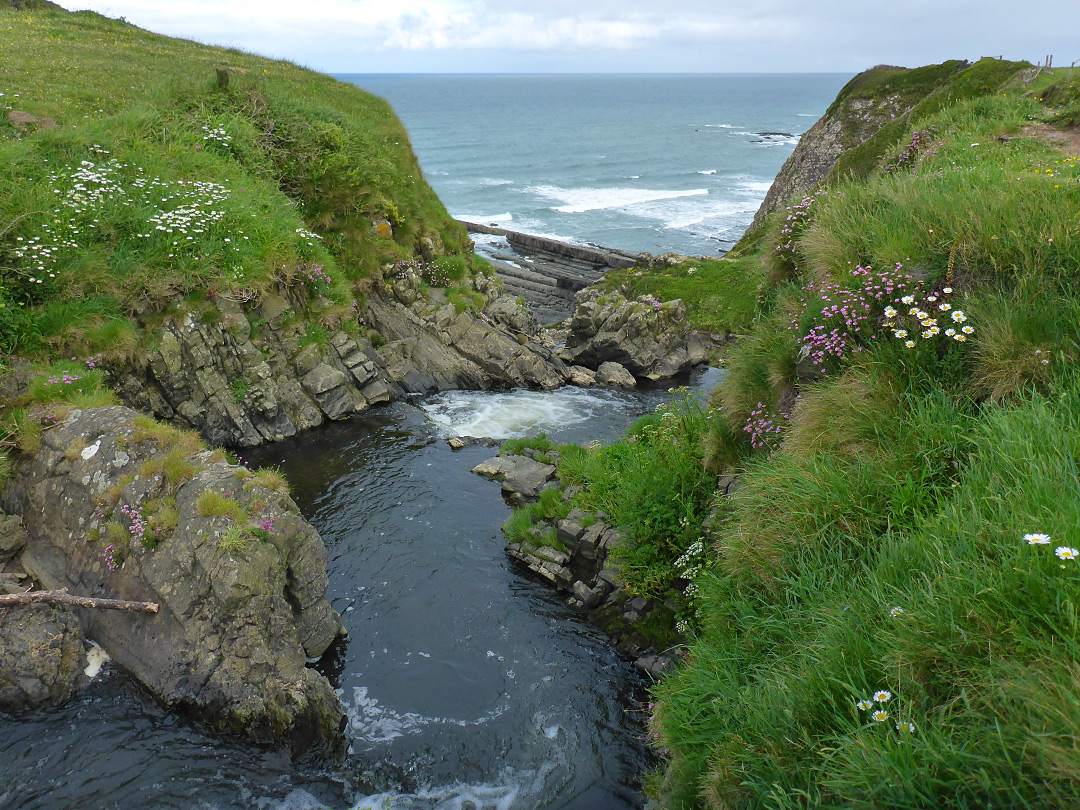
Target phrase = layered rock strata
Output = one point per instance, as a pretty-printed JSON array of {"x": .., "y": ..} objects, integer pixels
[
  {"x": 116, "y": 506},
  {"x": 244, "y": 377}
]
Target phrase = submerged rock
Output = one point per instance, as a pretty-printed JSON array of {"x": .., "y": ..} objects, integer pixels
[{"x": 117, "y": 506}]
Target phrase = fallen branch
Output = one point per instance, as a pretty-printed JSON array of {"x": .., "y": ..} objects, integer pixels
[{"x": 62, "y": 597}]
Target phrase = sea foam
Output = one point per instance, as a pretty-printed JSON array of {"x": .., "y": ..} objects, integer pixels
[{"x": 581, "y": 200}]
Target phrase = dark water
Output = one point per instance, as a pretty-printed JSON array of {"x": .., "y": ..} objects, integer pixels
[
  {"x": 467, "y": 685},
  {"x": 638, "y": 162}
]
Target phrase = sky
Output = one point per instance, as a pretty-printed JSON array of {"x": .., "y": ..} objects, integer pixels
[{"x": 615, "y": 36}]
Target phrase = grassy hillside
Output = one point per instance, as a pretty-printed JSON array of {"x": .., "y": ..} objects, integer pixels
[
  {"x": 137, "y": 172},
  {"x": 882, "y": 611}
]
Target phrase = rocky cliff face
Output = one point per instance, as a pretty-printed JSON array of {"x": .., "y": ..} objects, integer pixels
[
  {"x": 242, "y": 385},
  {"x": 870, "y": 101},
  {"x": 115, "y": 505}
]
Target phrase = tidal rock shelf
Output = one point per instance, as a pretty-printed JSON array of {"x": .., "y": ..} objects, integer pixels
[{"x": 547, "y": 272}]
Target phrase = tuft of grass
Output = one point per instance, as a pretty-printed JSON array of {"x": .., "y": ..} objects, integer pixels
[
  {"x": 175, "y": 466},
  {"x": 718, "y": 293},
  {"x": 540, "y": 443},
  {"x": 235, "y": 539},
  {"x": 271, "y": 478},
  {"x": 213, "y": 504},
  {"x": 162, "y": 515}
]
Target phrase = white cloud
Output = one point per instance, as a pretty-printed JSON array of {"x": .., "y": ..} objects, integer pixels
[{"x": 635, "y": 35}]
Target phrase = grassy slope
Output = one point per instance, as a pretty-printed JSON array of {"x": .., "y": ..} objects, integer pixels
[
  {"x": 876, "y": 542},
  {"x": 145, "y": 137}
]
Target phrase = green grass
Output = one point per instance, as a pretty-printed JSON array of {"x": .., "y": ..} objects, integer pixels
[
  {"x": 980, "y": 660},
  {"x": 157, "y": 184},
  {"x": 718, "y": 293}
]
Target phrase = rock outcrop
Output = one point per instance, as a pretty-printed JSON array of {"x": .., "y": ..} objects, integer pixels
[
  {"x": 117, "y": 505},
  {"x": 433, "y": 347},
  {"x": 41, "y": 658},
  {"x": 651, "y": 340},
  {"x": 244, "y": 377}
]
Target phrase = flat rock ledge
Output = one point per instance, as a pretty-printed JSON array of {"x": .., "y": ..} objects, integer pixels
[{"x": 239, "y": 616}]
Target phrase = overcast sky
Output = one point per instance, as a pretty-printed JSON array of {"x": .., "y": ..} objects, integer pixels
[{"x": 624, "y": 36}]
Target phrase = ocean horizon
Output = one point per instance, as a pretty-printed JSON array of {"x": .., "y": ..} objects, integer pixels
[{"x": 655, "y": 162}]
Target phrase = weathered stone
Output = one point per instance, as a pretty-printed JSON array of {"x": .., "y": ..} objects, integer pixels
[
  {"x": 652, "y": 340},
  {"x": 41, "y": 658},
  {"x": 12, "y": 537},
  {"x": 582, "y": 377},
  {"x": 611, "y": 373},
  {"x": 237, "y": 623},
  {"x": 552, "y": 554},
  {"x": 570, "y": 529}
]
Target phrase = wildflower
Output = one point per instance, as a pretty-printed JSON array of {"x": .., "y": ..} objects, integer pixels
[
  {"x": 927, "y": 334},
  {"x": 896, "y": 611},
  {"x": 883, "y": 696},
  {"x": 905, "y": 727},
  {"x": 880, "y": 716},
  {"x": 958, "y": 316},
  {"x": 960, "y": 338},
  {"x": 914, "y": 311},
  {"x": 950, "y": 332},
  {"x": 931, "y": 298},
  {"x": 947, "y": 290},
  {"x": 901, "y": 333},
  {"x": 967, "y": 330},
  {"x": 929, "y": 322},
  {"x": 1037, "y": 539},
  {"x": 1066, "y": 553},
  {"x": 908, "y": 299},
  {"x": 864, "y": 705},
  {"x": 890, "y": 312},
  {"x": 944, "y": 307},
  {"x": 910, "y": 344}
]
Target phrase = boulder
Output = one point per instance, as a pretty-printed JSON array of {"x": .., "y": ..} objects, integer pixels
[
  {"x": 522, "y": 478},
  {"x": 239, "y": 615},
  {"x": 41, "y": 658},
  {"x": 612, "y": 373},
  {"x": 652, "y": 340}
]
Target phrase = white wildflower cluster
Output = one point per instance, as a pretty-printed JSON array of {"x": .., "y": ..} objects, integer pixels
[
  {"x": 690, "y": 564},
  {"x": 216, "y": 135},
  {"x": 881, "y": 714},
  {"x": 933, "y": 316},
  {"x": 1063, "y": 553},
  {"x": 309, "y": 235},
  {"x": 183, "y": 209}
]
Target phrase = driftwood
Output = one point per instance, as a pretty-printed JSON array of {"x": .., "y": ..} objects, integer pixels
[{"x": 62, "y": 597}]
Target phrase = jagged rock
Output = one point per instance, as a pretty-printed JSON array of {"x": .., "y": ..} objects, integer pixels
[
  {"x": 651, "y": 340},
  {"x": 522, "y": 478},
  {"x": 12, "y": 537},
  {"x": 581, "y": 376},
  {"x": 507, "y": 312},
  {"x": 41, "y": 658},
  {"x": 240, "y": 386},
  {"x": 611, "y": 373},
  {"x": 239, "y": 617}
]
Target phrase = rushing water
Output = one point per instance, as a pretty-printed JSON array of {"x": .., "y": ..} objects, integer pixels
[{"x": 467, "y": 685}]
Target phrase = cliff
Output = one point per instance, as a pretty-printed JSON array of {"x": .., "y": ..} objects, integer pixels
[{"x": 869, "y": 115}]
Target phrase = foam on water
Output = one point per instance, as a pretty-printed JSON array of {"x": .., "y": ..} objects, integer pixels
[
  {"x": 515, "y": 414},
  {"x": 582, "y": 200},
  {"x": 707, "y": 171},
  {"x": 370, "y": 722}
]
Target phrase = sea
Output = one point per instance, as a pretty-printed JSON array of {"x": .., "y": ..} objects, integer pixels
[{"x": 652, "y": 163}]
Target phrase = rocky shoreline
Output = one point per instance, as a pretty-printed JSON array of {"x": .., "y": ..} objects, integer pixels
[{"x": 119, "y": 505}]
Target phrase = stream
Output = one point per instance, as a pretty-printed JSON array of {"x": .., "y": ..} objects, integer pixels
[{"x": 468, "y": 686}]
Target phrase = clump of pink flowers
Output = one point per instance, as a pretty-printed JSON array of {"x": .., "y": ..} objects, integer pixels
[
  {"x": 835, "y": 317},
  {"x": 765, "y": 429}
]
